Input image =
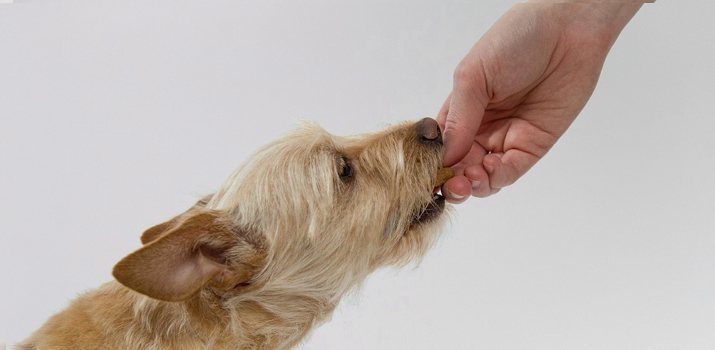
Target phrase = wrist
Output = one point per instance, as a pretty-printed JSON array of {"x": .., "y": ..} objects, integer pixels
[
  {"x": 610, "y": 17},
  {"x": 599, "y": 20}
]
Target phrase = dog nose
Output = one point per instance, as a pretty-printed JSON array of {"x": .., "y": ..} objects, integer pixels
[{"x": 428, "y": 131}]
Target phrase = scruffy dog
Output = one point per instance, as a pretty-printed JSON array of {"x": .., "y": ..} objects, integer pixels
[{"x": 267, "y": 257}]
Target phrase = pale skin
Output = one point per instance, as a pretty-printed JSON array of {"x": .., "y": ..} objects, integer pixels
[{"x": 521, "y": 86}]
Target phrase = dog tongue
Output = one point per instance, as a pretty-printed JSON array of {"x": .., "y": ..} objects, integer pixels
[{"x": 443, "y": 175}]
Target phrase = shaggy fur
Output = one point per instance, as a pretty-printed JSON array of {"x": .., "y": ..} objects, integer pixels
[{"x": 267, "y": 257}]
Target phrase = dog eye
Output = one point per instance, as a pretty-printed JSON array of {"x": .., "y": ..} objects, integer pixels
[{"x": 346, "y": 170}]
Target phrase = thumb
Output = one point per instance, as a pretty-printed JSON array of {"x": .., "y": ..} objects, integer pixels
[{"x": 466, "y": 110}]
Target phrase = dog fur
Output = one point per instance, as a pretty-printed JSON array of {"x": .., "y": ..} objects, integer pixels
[{"x": 266, "y": 258}]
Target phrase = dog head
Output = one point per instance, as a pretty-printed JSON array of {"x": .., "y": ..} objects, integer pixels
[{"x": 310, "y": 215}]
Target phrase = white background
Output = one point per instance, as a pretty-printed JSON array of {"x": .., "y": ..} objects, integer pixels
[{"x": 114, "y": 115}]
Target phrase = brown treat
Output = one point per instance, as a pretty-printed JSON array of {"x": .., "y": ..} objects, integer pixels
[{"x": 443, "y": 175}]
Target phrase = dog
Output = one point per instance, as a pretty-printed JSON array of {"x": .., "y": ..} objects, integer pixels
[{"x": 267, "y": 258}]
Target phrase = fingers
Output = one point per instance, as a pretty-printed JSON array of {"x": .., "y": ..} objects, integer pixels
[
  {"x": 474, "y": 181},
  {"x": 470, "y": 177},
  {"x": 504, "y": 169},
  {"x": 457, "y": 189},
  {"x": 482, "y": 175},
  {"x": 464, "y": 113},
  {"x": 442, "y": 115},
  {"x": 479, "y": 181}
]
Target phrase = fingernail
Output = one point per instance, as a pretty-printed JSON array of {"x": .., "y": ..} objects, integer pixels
[
  {"x": 475, "y": 185},
  {"x": 456, "y": 196}
]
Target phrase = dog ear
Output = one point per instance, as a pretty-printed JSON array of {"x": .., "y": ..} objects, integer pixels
[
  {"x": 156, "y": 231},
  {"x": 199, "y": 250}
]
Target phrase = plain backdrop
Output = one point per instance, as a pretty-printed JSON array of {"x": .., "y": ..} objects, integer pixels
[{"x": 115, "y": 115}]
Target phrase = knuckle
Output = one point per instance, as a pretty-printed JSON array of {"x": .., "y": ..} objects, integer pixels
[
  {"x": 509, "y": 179},
  {"x": 463, "y": 75}
]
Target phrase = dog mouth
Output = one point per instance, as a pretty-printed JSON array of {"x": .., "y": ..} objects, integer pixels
[
  {"x": 435, "y": 207},
  {"x": 430, "y": 211}
]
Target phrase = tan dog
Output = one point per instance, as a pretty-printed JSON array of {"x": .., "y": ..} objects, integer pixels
[{"x": 265, "y": 259}]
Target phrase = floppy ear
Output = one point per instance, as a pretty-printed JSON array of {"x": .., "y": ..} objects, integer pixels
[
  {"x": 155, "y": 231},
  {"x": 200, "y": 250}
]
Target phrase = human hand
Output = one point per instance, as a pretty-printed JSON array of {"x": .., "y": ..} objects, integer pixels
[{"x": 520, "y": 87}]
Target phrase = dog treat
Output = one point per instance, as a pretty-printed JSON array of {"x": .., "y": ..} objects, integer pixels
[{"x": 443, "y": 175}]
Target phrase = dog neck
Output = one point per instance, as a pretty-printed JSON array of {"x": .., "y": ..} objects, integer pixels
[
  {"x": 260, "y": 321},
  {"x": 115, "y": 317}
]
